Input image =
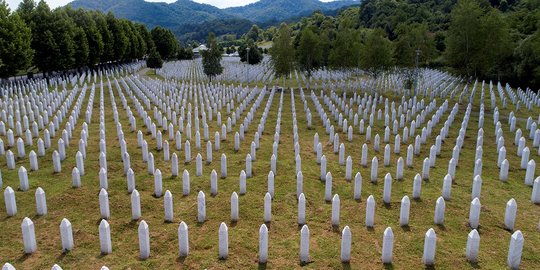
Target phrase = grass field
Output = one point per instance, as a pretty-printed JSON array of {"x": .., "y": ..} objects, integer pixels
[{"x": 81, "y": 206}]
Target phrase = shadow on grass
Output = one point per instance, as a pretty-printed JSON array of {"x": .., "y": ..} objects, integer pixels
[
  {"x": 430, "y": 267},
  {"x": 370, "y": 229},
  {"x": 261, "y": 266},
  {"x": 233, "y": 224},
  {"x": 441, "y": 227},
  {"x": 475, "y": 265},
  {"x": 101, "y": 255},
  {"x": 346, "y": 266},
  {"x": 335, "y": 228},
  {"x": 406, "y": 228},
  {"x": 23, "y": 258},
  {"x": 387, "y": 205},
  {"x": 388, "y": 266},
  {"x": 181, "y": 259},
  {"x": 62, "y": 255},
  {"x": 303, "y": 264}
]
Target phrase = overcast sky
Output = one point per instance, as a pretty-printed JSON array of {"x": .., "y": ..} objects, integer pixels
[{"x": 218, "y": 3}]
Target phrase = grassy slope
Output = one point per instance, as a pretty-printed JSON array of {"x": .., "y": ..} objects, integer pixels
[{"x": 81, "y": 206}]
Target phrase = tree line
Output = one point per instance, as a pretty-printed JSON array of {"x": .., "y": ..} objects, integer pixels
[
  {"x": 34, "y": 37},
  {"x": 498, "y": 40}
]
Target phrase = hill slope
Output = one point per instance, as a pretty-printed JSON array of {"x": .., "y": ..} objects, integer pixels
[
  {"x": 279, "y": 10},
  {"x": 171, "y": 15},
  {"x": 186, "y": 13}
]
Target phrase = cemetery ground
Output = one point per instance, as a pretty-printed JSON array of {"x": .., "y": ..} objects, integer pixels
[{"x": 81, "y": 205}]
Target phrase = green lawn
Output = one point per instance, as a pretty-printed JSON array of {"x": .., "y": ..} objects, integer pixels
[{"x": 81, "y": 206}]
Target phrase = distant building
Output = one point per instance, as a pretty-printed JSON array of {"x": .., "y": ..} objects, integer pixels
[{"x": 197, "y": 51}]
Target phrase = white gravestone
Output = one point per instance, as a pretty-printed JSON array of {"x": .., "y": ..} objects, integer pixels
[
  {"x": 263, "y": 244},
  {"x": 144, "y": 240},
  {"x": 474, "y": 213},
  {"x": 346, "y": 241},
  {"x": 388, "y": 246},
  {"x": 201, "y": 207},
  {"x": 29, "y": 236},
  {"x": 404, "y": 211},
  {"x": 168, "y": 206},
  {"x": 515, "y": 250},
  {"x": 41, "y": 202},
  {"x": 430, "y": 244},
  {"x": 183, "y": 239},
  {"x": 335, "y": 210},
  {"x": 105, "y": 237},
  {"x": 11, "y": 203},
  {"x": 370, "y": 212},
  {"x": 510, "y": 214},
  {"x": 473, "y": 245},
  {"x": 223, "y": 236},
  {"x": 440, "y": 207},
  {"x": 301, "y": 209},
  {"x": 304, "y": 244},
  {"x": 135, "y": 205},
  {"x": 234, "y": 207}
]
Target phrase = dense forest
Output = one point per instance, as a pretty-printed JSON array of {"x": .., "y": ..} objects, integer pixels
[
  {"x": 495, "y": 40},
  {"x": 34, "y": 37}
]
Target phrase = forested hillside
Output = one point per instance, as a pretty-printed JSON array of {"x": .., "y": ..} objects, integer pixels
[
  {"x": 193, "y": 21},
  {"x": 496, "y": 40},
  {"x": 34, "y": 37}
]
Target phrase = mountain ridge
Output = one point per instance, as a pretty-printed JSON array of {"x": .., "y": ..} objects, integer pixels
[
  {"x": 267, "y": 10},
  {"x": 187, "y": 13}
]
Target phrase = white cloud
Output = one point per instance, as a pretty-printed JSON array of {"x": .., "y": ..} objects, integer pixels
[{"x": 13, "y": 4}]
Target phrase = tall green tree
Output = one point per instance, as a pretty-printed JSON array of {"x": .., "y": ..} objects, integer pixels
[
  {"x": 255, "y": 55},
  {"x": 412, "y": 38},
  {"x": 211, "y": 58},
  {"x": 25, "y": 10},
  {"x": 84, "y": 20},
  {"x": 132, "y": 46},
  {"x": 165, "y": 42},
  {"x": 346, "y": 50},
  {"x": 64, "y": 31},
  {"x": 142, "y": 48},
  {"x": 154, "y": 59},
  {"x": 146, "y": 36},
  {"x": 121, "y": 41},
  {"x": 528, "y": 55},
  {"x": 106, "y": 36},
  {"x": 282, "y": 52},
  {"x": 477, "y": 39},
  {"x": 185, "y": 53},
  {"x": 309, "y": 52},
  {"x": 497, "y": 45},
  {"x": 377, "y": 52},
  {"x": 82, "y": 48},
  {"x": 326, "y": 45},
  {"x": 43, "y": 40},
  {"x": 254, "y": 33},
  {"x": 15, "y": 43}
]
